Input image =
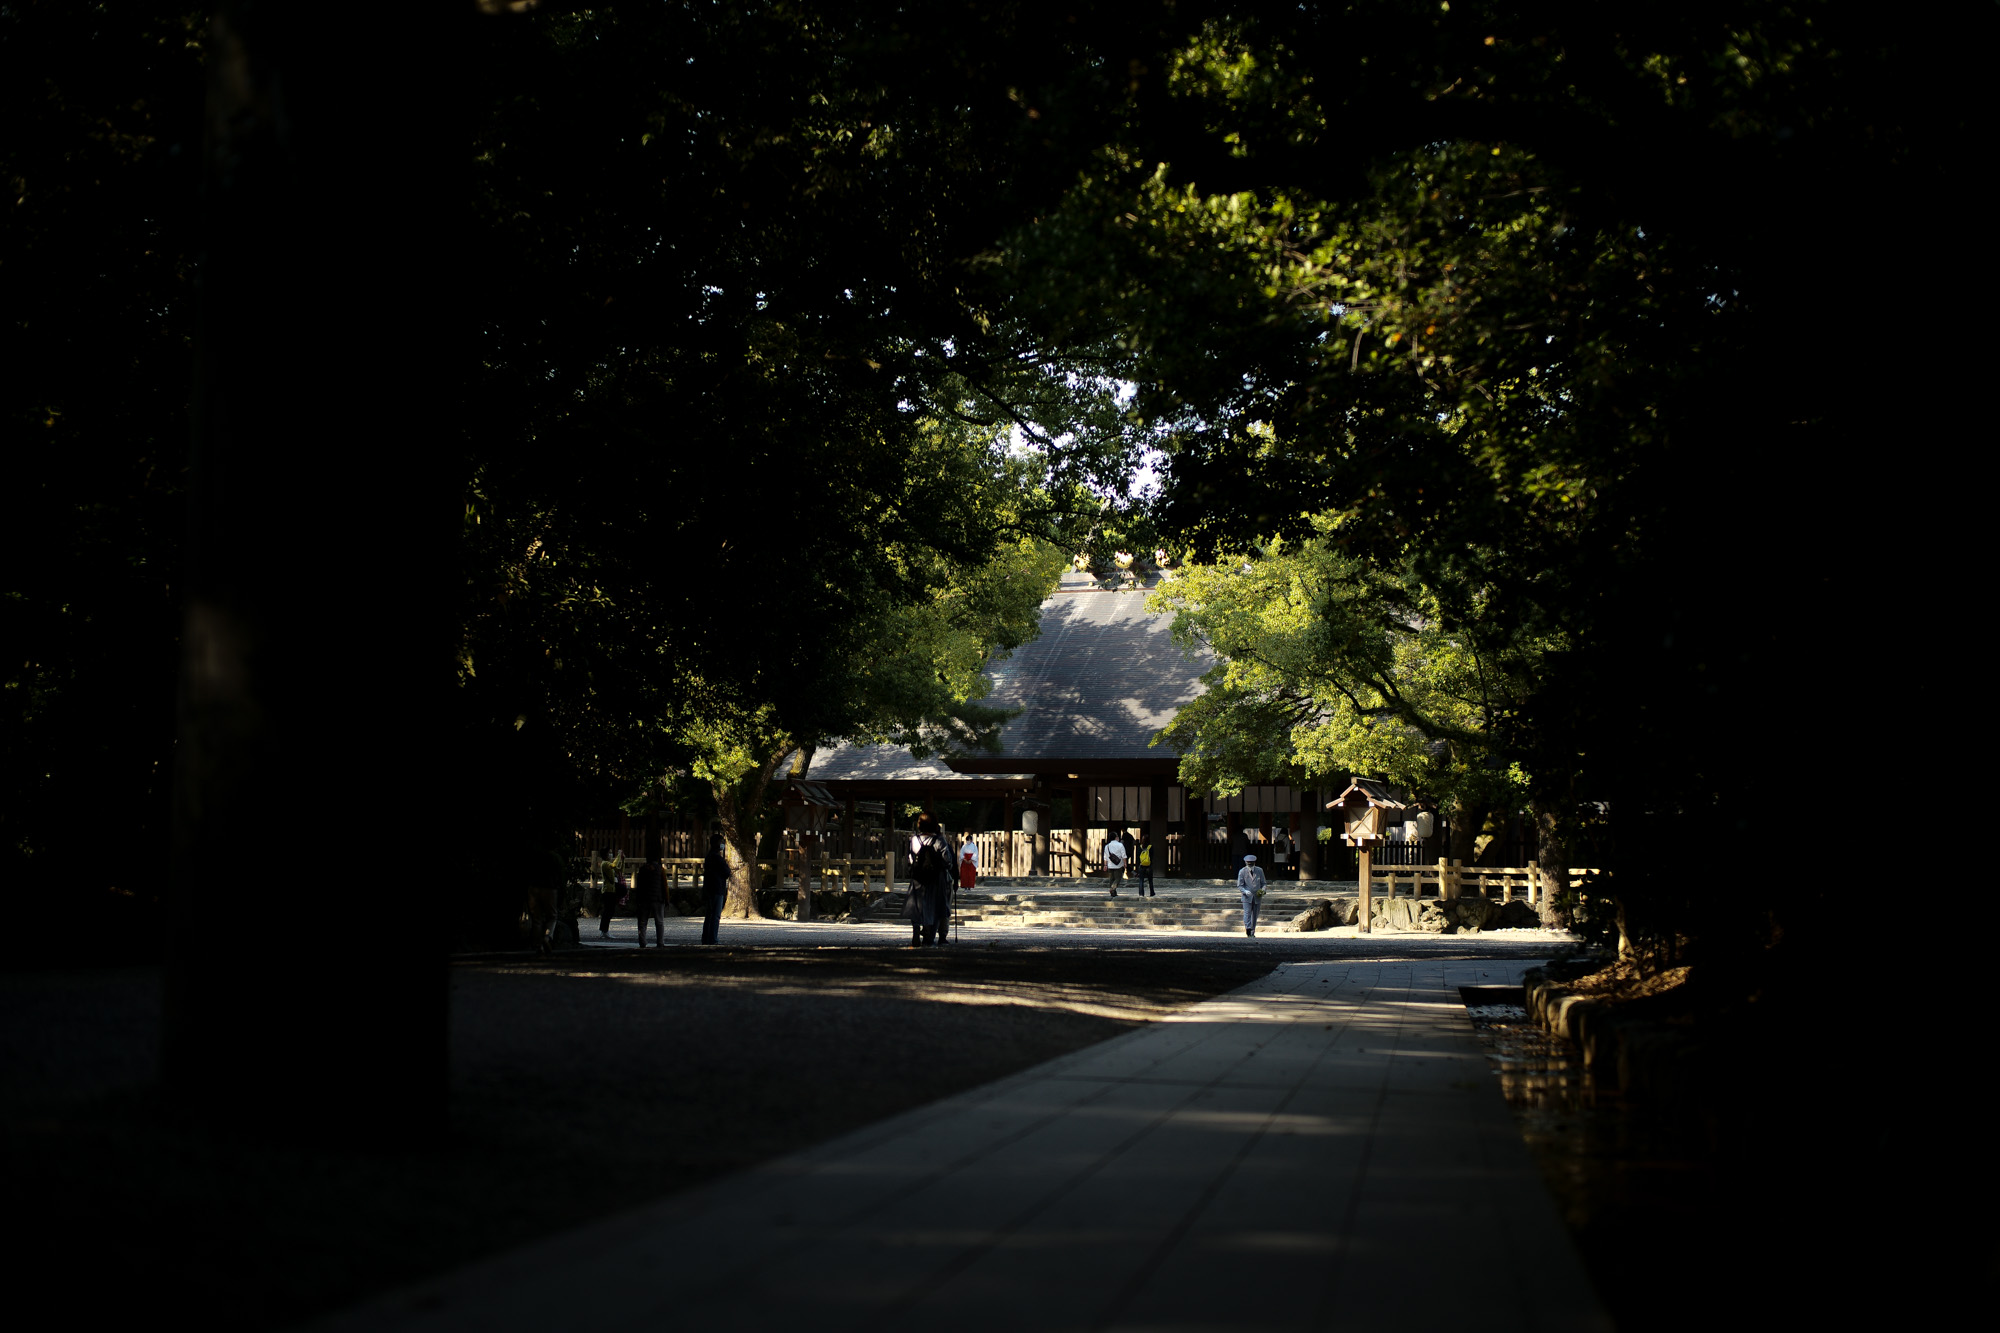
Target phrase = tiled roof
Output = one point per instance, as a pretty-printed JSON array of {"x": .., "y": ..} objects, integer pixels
[
  {"x": 1098, "y": 683},
  {"x": 875, "y": 763}
]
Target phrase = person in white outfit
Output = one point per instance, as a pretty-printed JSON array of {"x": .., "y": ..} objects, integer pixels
[
  {"x": 968, "y": 862},
  {"x": 1250, "y": 879},
  {"x": 1114, "y": 861}
]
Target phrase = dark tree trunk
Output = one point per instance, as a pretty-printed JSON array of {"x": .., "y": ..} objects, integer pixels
[
  {"x": 1309, "y": 845},
  {"x": 303, "y": 996},
  {"x": 739, "y": 809},
  {"x": 1551, "y": 854},
  {"x": 1467, "y": 819},
  {"x": 1499, "y": 849}
]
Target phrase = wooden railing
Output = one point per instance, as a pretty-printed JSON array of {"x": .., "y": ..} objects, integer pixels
[
  {"x": 1453, "y": 879},
  {"x": 867, "y": 874},
  {"x": 870, "y": 874},
  {"x": 630, "y": 842},
  {"x": 1398, "y": 853}
]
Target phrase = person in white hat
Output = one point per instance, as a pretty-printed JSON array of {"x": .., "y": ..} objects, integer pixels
[{"x": 1250, "y": 879}]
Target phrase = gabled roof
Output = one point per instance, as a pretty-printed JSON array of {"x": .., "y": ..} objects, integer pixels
[
  {"x": 807, "y": 793},
  {"x": 1378, "y": 794}
]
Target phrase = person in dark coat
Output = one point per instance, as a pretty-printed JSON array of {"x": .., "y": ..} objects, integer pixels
[
  {"x": 714, "y": 887},
  {"x": 947, "y": 886},
  {"x": 933, "y": 870},
  {"x": 649, "y": 899}
]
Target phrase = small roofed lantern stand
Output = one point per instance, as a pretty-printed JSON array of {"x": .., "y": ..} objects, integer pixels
[
  {"x": 1364, "y": 810},
  {"x": 807, "y": 805}
]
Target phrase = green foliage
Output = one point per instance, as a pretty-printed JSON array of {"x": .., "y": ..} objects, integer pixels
[
  {"x": 741, "y": 475},
  {"x": 1514, "y": 348},
  {"x": 1329, "y": 668},
  {"x": 1530, "y": 312}
]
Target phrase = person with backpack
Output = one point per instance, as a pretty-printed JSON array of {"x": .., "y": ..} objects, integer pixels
[
  {"x": 1250, "y": 879},
  {"x": 931, "y": 876},
  {"x": 1114, "y": 861},
  {"x": 1146, "y": 871}
]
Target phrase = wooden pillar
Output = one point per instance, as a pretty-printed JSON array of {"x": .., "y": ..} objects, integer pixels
[
  {"x": 1194, "y": 835},
  {"x": 1038, "y": 863},
  {"x": 1006, "y": 866},
  {"x": 1232, "y": 820},
  {"x": 1308, "y": 839},
  {"x": 1447, "y": 882},
  {"x": 1265, "y": 849},
  {"x": 1367, "y": 890},
  {"x": 847, "y": 829},
  {"x": 805, "y": 907},
  {"x": 1156, "y": 828}
]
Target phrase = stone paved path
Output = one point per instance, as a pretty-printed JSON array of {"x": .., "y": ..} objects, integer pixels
[
  {"x": 1325, "y": 1149},
  {"x": 686, "y": 931}
]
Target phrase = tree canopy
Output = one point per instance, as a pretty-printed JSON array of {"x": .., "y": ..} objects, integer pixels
[
  {"x": 1537, "y": 329},
  {"x": 1533, "y": 313},
  {"x": 1328, "y": 667},
  {"x": 97, "y": 122},
  {"x": 740, "y": 449}
]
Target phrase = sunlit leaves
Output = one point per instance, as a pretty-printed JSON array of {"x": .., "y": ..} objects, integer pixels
[{"x": 1330, "y": 668}]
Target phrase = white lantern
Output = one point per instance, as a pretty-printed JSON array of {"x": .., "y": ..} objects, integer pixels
[
  {"x": 1031, "y": 822},
  {"x": 1422, "y": 824}
]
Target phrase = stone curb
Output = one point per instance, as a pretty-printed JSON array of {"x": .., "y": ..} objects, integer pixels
[
  {"x": 1660, "y": 1061},
  {"x": 1574, "y": 1017}
]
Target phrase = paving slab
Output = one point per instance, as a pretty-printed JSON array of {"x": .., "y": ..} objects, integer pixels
[{"x": 1325, "y": 1148}]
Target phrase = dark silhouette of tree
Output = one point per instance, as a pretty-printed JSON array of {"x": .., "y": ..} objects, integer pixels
[
  {"x": 99, "y": 131},
  {"x": 306, "y": 986},
  {"x": 1545, "y": 306}
]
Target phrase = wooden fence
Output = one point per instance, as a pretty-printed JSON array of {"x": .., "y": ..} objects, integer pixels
[
  {"x": 1453, "y": 879},
  {"x": 881, "y": 861},
  {"x": 629, "y": 843}
]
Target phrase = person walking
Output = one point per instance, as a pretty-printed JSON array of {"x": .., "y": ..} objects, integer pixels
[
  {"x": 714, "y": 887},
  {"x": 1250, "y": 880},
  {"x": 609, "y": 885},
  {"x": 947, "y": 882},
  {"x": 1114, "y": 861},
  {"x": 1146, "y": 871},
  {"x": 968, "y": 862},
  {"x": 649, "y": 898},
  {"x": 931, "y": 871}
]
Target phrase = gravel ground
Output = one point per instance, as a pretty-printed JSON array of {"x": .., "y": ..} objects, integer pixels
[{"x": 582, "y": 1084}]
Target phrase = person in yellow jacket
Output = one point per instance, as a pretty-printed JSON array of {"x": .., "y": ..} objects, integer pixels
[{"x": 1146, "y": 870}]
